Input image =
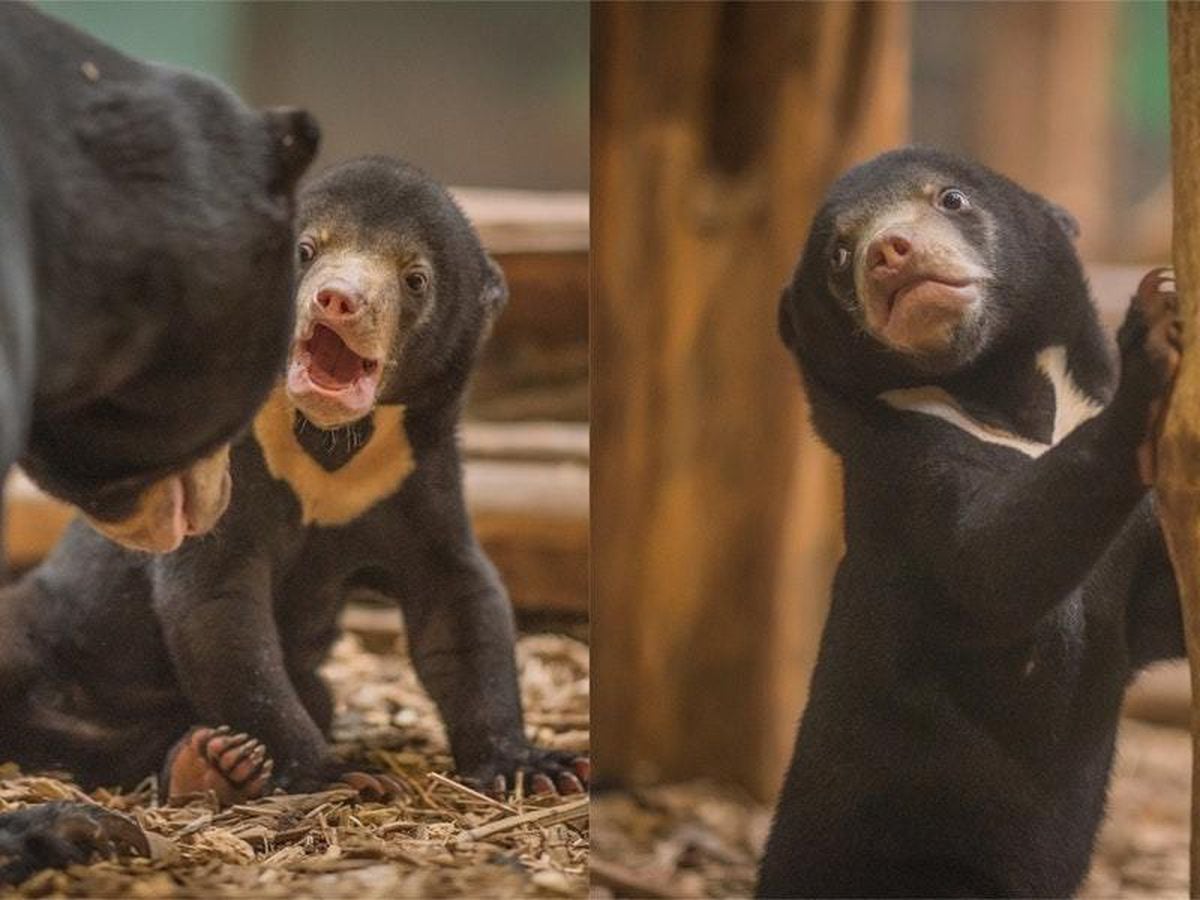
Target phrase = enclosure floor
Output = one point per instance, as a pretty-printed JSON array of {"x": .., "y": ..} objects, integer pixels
[
  {"x": 1143, "y": 848},
  {"x": 332, "y": 845},
  {"x": 702, "y": 840}
]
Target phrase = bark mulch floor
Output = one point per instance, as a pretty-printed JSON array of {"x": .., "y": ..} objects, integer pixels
[
  {"x": 702, "y": 840},
  {"x": 441, "y": 841}
]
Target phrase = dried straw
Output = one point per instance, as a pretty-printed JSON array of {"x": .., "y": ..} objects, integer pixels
[{"x": 443, "y": 840}]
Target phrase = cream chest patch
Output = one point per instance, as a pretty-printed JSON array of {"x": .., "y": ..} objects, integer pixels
[
  {"x": 1072, "y": 407},
  {"x": 334, "y": 498}
]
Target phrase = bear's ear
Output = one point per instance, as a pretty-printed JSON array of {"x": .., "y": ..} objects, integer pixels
[
  {"x": 294, "y": 136},
  {"x": 495, "y": 289},
  {"x": 1067, "y": 222}
]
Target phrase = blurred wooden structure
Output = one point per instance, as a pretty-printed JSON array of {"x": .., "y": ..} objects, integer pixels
[
  {"x": 716, "y": 128},
  {"x": 1162, "y": 695},
  {"x": 527, "y": 469},
  {"x": 1177, "y": 482},
  {"x": 1032, "y": 90},
  {"x": 528, "y": 494},
  {"x": 535, "y": 365},
  {"x": 527, "y": 466},
  {"x": 1045, "y": 104}
]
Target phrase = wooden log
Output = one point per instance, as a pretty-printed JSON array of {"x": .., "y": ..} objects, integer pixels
[
  {"x": 535, "y": 364},
  {"x": 33, "y": 522},
  {"x": 715, "y": 129},
  {"x": 541, "y": 241},
  {"x": 526, "y": 442},
  {"x": 513, "y": 222},
  {"x": 527, "y": 488},
  {"x": 1161, "y": 695},
  {"x": 377, "y": 626},
  {"x": 548, "y": 302},
  {"x": 532, "y": 519},
  {"x": 1178, "y": 473}
]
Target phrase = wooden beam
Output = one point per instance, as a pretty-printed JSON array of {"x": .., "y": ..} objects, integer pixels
[
  {"x": 1178, "y": 477},
  {"x": 527, "y": 488},
  {"x": 511, "y": 222},
  {"x": 535, "y": 363},
  {"x": 1161, "y": 695},
  {"x": 548, "y": 302},
  {"x": 715, "y": 130},
  {"x": 33, "y": 522},
  {"x": 532, "y": 519},
  {"x": 526, "y": 442}
]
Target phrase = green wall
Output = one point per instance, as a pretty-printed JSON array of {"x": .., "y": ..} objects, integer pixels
[{"x": 199, "y": 35}]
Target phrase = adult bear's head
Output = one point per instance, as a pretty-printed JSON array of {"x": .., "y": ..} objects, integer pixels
[{"x": 165, "y": 259}]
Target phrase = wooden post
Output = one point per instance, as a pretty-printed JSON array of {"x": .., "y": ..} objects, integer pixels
[
  {"x": 1061, "y": 90},
  {"x": 1178, "y": 479},
  {"x": 715, "y": 527}
]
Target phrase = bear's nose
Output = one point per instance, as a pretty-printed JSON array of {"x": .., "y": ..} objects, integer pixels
[
  {"x": 888, "y": 252},
  {"x": 337, "y": 303}
]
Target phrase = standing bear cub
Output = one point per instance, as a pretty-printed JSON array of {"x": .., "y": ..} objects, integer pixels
[
  {"x": 350, "y": 479},
  {"x": 1004, "y": 576}
]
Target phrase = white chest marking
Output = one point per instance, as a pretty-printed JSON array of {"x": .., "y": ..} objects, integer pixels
[{"x": 1072, "y": 407}]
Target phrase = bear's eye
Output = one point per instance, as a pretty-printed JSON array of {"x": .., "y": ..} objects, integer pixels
[
  {"x": 306, "y": 250},
  {"x": 417, "y": 282},
  {"x": 839, "y": 258},
  {"x": 953, "y": 200}
]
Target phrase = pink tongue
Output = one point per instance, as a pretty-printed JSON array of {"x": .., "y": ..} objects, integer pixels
[{"x": 332, "y": 359}]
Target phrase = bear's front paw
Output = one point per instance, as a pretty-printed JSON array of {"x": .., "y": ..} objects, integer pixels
[
  {"x": 1151, "y": 343},
  {"x": 542, "y": 771},
  {"x": 371, "y": 783},
  {"x": 233, "y": 768}
]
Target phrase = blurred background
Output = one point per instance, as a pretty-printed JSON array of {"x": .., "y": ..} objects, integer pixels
[
  {"x": 488, "y": 94},
  {"x": 492, "y": 100},
  {"x": 717, "y": 518},
  {"x": 1071, "y": 101}
]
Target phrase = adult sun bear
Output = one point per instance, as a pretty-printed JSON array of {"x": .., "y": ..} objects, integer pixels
[
  {"x": 1004, "y": 576},
  {"x": 145, "y": 273}
]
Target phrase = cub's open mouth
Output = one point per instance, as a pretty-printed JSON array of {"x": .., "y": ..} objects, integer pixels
[
  {"x": 331, "y": 364},
  {"x": 330, "y": 382}
]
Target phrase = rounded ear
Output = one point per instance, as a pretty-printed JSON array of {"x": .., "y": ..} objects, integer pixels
[
  {"x": 295, "y": 136},
  {"x": 495, "y": 289},
  {"x": 1067, "y": 222}
]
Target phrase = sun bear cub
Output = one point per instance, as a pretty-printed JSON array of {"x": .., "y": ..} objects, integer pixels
[{"x": 1004, "y": 575}]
